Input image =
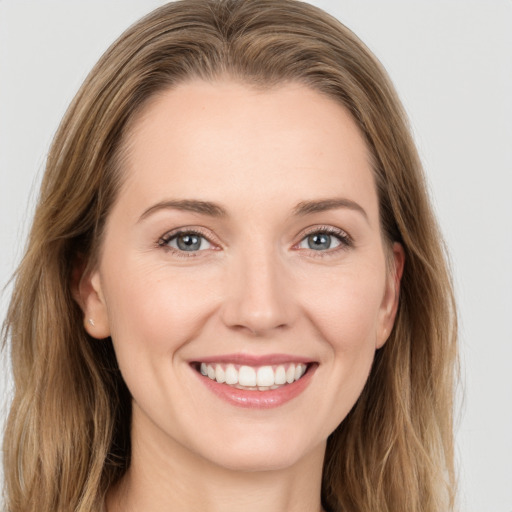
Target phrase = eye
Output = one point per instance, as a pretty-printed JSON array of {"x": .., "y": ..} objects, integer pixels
[
  {"x": 325, "y": 239},
  {"x": 186, "y": 241}
]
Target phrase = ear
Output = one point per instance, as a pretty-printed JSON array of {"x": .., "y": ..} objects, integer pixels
[
  {"x": 87, "y": 291},
  {"x": 389, "y": 306}
]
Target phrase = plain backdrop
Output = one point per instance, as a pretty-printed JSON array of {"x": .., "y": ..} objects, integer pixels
[{"x": 451, "y": 62}]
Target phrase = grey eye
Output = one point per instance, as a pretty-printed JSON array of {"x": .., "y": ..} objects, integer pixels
[
  {"x": 319, "y": 241},
  {"x": 188, "y": 242}
]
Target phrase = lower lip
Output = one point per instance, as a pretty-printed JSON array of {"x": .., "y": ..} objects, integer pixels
[{"x": 255, "y": 399}]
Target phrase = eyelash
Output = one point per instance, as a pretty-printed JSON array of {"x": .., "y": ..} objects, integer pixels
[
  {"x": 346, "y": 241},
  {"x": 165, "y": 239}
]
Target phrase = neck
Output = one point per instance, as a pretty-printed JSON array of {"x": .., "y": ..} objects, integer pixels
[{"x": 168, "y": 477}]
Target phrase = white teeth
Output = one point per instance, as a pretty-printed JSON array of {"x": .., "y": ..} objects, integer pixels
[
  {"x": 265, "y": 376},
  {"x": 299, "y": 371},
  {"x": 247, "y": 376},
  {"x": 261, "y": 378},
  {"x": 280, "y": 377},
  {"x": 231, "y": 375},
  {"x": 290, "y": 374},
  {"x": 220, "y": 374}
]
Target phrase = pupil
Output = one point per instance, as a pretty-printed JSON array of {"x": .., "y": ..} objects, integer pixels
[
  {"x": 189, "y": 242},
  {"x": 319, "y": 241}
]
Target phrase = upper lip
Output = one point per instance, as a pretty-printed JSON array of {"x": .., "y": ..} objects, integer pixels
[{"x": 254, "y": 360}]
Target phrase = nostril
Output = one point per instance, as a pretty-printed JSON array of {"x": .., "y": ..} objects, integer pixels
[{"x": 258, "y": 329}]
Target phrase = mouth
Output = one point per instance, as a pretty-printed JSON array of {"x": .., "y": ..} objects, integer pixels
[
  {"x": 253, "y": 378},
  {"x": 255, "y": 382}
]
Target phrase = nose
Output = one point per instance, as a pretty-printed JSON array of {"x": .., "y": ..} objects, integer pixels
[{"x": 259, "y": 294}]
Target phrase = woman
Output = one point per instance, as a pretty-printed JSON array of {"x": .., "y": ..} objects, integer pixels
[{"x": 234, "y": 294}]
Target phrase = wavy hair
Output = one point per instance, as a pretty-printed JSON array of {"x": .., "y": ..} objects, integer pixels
[{"x": 67, "y": 438}]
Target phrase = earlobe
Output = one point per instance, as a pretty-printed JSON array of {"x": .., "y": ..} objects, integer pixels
[
  {"x": 391, "y": 298},
  {"x": 87, "y": 292}
]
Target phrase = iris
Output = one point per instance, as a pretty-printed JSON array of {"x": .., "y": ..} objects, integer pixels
[{"x": 319, "y": 241}]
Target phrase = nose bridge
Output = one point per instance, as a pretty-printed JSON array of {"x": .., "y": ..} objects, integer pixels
[{"x": 258, "y": 298}]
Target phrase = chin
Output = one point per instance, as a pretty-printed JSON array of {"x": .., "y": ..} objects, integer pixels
[
  {"x": 262, "y": 452},
  {"x": 250, "y": 462}
]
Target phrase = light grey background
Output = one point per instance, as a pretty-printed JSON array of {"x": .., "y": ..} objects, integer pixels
[{"x": 451, "y": 61}]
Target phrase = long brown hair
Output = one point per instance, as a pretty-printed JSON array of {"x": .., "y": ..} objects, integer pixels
[{"x": 67, "y": 438}]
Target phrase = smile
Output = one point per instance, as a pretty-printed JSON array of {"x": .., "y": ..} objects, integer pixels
[
  {"x": 256, "y": 382},
  {"x": 260, "y": 378}
]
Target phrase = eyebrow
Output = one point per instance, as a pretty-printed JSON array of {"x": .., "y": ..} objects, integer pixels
[
  {"x": 187, "y": 205},
  {"x": 322, "y": 205},
  {"x": 215, "y": 210}
]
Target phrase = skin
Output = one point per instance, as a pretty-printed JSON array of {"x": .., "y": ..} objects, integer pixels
[{"x": 254, "y": 287}]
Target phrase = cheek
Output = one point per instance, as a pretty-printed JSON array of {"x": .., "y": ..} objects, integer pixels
[
  {"x": 345, "y": 306},
  {"x": 157, "y": 310},
  {"x": 346, "y": 315}
]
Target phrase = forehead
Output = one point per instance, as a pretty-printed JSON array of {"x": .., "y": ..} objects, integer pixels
[{"x": 232, "y": 141}]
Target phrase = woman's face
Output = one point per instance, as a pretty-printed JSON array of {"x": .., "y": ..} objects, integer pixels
[{"x": 245, "y": 242}]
